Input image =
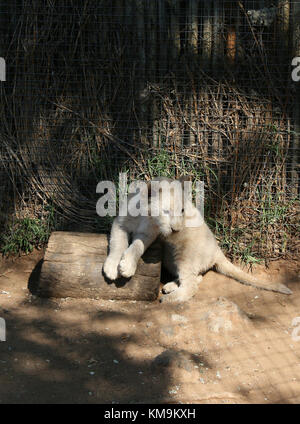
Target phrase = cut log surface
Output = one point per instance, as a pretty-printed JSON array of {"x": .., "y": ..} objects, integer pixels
[{"x": 72, "y": 267}]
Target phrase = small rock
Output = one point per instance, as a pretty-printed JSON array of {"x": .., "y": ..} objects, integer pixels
[
  {"x": 178, "y": 318},
  {"x": 225, "y": 315},
  {"x": 167, "y": 330}
]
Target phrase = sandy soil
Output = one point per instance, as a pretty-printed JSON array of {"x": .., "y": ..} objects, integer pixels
[{"x": 229, "y": 344}]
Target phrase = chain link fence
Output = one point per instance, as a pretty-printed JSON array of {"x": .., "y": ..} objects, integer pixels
[{"x": 153, "y": 87}]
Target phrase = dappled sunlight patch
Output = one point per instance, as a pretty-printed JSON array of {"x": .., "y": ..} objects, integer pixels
[
  {"x": 30, "y": 364},
  {"x": 38, "y": 337}
]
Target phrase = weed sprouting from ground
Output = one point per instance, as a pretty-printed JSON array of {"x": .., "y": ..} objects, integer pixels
[
  {"x": 27, "y": 233},
  {"x": 23, "y": 236}
]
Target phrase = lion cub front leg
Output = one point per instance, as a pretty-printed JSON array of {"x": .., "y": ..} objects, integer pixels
[
  {"x": 117, "y": 245},
  {"x": 131, "y": 256},
  {"x": 185, "y": 289}
]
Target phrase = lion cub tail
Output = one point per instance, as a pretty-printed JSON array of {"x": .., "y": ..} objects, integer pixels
[{"x": 225, "y": 267}]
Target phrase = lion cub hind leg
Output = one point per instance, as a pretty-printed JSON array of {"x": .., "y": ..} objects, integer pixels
[
  {"x": 186, "y": 290},
  {"x": 169, "y": 287}
]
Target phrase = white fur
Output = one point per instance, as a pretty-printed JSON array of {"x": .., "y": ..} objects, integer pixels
[
  {"x": 123, "y": 258},
  {"x": 190, "y": 248}
]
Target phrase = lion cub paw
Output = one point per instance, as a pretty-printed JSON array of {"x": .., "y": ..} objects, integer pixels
[
  {"x": 169, "y": 287},
  {"x": 127, "y": 267},
  {"x": 176, "y": 296},
  {"x": 180, "y": 294},
  {"x": 110, "y": 269}
]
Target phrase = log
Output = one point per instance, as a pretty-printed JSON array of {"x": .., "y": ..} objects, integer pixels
[{"x": 72, "y": 267}]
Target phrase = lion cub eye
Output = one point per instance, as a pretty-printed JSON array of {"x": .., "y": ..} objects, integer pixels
[{"x": 182, "y": 210}]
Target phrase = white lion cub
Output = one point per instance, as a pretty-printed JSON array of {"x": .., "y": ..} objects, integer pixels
[{"x": 190, "y": 248}]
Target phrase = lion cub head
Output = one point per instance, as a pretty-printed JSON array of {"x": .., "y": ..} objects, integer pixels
[{"x": 171, "y": 206}]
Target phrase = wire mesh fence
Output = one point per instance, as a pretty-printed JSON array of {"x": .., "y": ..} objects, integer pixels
[{"x": 153, "y": 87}]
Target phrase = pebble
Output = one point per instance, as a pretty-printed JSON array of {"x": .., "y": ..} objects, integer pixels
[
  {"x": 168, "y": 330},
  {"x": 178, "y": 318}
]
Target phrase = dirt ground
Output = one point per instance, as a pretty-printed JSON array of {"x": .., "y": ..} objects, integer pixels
[{"x": 229, "y": 344}]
